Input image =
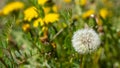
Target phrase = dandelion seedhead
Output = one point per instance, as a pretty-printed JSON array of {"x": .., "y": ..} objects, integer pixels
[{"x": 85, "y": 41}]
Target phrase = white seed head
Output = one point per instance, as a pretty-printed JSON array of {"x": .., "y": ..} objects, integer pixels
[{"x": 85, "y": 41}]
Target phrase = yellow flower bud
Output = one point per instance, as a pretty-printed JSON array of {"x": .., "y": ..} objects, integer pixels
[
  {"x": 88, "y": 13},
  {"x": 25, "y": 27},
  {"x": 103, "y": 13}
]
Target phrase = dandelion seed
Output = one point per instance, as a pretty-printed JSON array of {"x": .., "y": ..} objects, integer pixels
[{"x": 85, "y": 41}]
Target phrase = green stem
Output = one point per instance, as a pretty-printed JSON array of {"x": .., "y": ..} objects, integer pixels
[{"x": 82, "y": 61}]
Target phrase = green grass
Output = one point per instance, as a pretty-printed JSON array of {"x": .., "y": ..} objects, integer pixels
[{"x": 31, "y": 49}]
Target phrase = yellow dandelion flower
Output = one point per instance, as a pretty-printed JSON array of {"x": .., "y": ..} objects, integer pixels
[
  {"x": 103, "y": 13},
  {"x": 11, "y": 7},
  {"x": 30, "y": 13},
  {"x": 46, "y": 10},
  {"x": 88, "y": 13},
  {"x": 25, "y": 27},
  {"x": 83, "y": 2},
  {"x": 67, "y": 1},
  {"x": 36, "y": 22},
  {"x": 42, "y": 2},
  {"x": 51, "y": 17},
  {"x": 54, "y": 8}
]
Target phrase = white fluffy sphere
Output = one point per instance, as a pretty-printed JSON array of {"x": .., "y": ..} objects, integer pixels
[{"x": 85, "y": 41}]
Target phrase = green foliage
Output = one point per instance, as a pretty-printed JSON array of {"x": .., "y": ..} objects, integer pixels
[{"x": 35, "y": 48}]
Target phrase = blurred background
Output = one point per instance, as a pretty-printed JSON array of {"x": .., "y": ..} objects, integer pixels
[{"x": 38, "y": 33}]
